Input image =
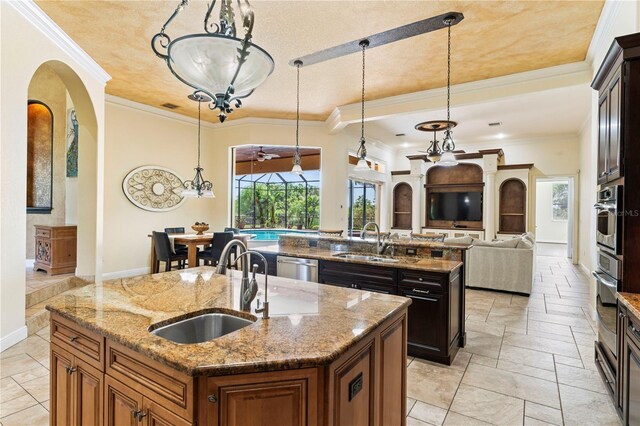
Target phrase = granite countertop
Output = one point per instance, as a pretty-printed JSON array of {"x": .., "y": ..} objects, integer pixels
[
  {"x": 311, "y": 324},
  {"x": 404, "y": 262},
  {"x": 631, "y": 301}
]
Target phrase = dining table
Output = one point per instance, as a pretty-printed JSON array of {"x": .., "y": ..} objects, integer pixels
[{"x": 192, "y": 241}]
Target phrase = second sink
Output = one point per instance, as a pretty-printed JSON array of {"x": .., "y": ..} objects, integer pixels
[{"x": 201, "y": 328}]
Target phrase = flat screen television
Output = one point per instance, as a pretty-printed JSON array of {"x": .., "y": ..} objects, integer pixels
[{"x": 456, "y": 206}]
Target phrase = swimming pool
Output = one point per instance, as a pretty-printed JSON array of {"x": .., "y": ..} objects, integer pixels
[{"x": 272, "y": 234}]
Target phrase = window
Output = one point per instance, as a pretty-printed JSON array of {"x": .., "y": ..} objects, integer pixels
[
  {"x": 560, "y": 201},
  {"x": 278, "y": 200},
  {"x": 362, "y": 205}
]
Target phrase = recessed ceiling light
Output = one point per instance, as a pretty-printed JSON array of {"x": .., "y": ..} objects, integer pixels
[
  {"x": 501, "y": 136},
  {"x": 170, "y": 105},
  {"x": 495, "y": 124},
  {"x": 400, "y": 134},
  {"x": 405, "y": 144}
]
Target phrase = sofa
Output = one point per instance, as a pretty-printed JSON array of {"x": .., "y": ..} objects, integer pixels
[{"x": 506, "y": 265}]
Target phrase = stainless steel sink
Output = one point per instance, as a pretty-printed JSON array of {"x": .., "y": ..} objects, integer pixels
[
  {"x": 201, "y": 328},
  {"x": 366, "y": 257}
]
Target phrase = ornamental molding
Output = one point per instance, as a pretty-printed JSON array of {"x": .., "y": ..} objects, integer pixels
[{"x": 153, "y": 188}]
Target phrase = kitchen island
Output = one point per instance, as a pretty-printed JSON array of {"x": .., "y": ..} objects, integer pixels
[
  {"x": 327, "y": 355},
  {"x": 431, "y": 274}
]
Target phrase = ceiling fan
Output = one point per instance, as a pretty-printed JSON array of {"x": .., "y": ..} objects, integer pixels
[{"x": 261, "y": 155}]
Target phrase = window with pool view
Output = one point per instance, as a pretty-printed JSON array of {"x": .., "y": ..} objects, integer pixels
[
  {"x": 362, "y": 205},
  {"x": 268, "y": 196}
]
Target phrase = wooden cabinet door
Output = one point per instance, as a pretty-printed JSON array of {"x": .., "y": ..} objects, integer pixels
[
  {"x": 354, "y": 389},
  {"x": 632, "y": 383},
  {"x": 285, "y": 398},
  {"x": 88, "y": 394},
  {"x": 122, "y": 404},
  {"x": 427, "y": 330},
  {"x": 603, "y": 138},
  {"x": 61, "y": 387},
  {"x": 393, "y": 361},
  {"x": 614, "y": 122},
  {"x": 156, "y": 415}
]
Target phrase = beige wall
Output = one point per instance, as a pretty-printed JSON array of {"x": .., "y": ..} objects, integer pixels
[
  {"x": 138, "y": 135},
  {"x": 47, "y": 87},
  {"x": 24, "y": 47}
]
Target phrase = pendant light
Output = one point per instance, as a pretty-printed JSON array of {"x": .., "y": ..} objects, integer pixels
[
  {"x": 297, "y": 168},
  {"x": 362, "y": 165},
  {"x": 448, "y": 145},
  {"x": 216, "y": 63},
  {"x": 198, "y": 187}
]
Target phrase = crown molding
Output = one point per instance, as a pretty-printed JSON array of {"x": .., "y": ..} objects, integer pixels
[
  {"x": 41, "y": 21},
  {"x": 116, "y": 100},
  {"x": 605, "y": 27},
  {"x": 466, "y": 93}
]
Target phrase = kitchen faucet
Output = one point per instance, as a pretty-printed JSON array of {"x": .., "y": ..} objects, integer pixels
[
  {"x": 248, "y": 288},
  {"x": 363, "y": 233}
]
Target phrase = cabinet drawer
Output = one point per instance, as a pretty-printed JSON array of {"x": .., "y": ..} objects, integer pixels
[
  {"x": 423, "y": 279},
  {"x": 42, "y": 232},
  {"x": 354, "y": 272},
  {"x": 633, "y": 329},
  {"x": 354, "y": 281},
  {"x": 171, "y": 388},
  {"x": 81, "y": 342}
]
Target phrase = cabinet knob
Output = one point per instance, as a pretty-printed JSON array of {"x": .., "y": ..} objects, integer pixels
[
  {"x": 212, "y": 399},
  {"x": 420, "y": 279},
  {"x": 621, "y": 314},
  {"x": 417, "y": 290},
  {"x": 71, "y": 370},
  {"x": 73, "y": 338}
]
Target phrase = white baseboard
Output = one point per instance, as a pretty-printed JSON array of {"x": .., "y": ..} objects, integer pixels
[
  {"x": 584, "y": 269},
  {"x": 12, "y": 338},
  {"x": 126, "y": 273},
  {"x": 29, "y": 263}
]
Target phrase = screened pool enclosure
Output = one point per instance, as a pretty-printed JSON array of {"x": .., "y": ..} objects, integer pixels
[{"x": 277, "y": 200}]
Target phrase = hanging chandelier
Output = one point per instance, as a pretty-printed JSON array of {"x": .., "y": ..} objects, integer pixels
[
  {"x": 443, "y": 156},
  {"x": 297, "y": 160},
  {"x": 198, "y": 187},
  {"x": 216, "y": 63},
  {"x": 362, "y": 165}
]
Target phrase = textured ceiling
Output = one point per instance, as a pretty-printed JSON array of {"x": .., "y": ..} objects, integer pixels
[{"x": 496, "y": 38}]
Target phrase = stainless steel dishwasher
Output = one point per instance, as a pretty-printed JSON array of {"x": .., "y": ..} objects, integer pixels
[{"x": 298, "y": 268}]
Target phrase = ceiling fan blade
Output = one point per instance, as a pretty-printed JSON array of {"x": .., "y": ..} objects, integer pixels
[{"x": 380, "y": 39}]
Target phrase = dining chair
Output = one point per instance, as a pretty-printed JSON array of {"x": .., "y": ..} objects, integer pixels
[
  {"x": 177, "y": 230},
  {"x": 211, "y": 255},
  {"x": 164, "y": 254},
  {"x": 234, "y": 230}
]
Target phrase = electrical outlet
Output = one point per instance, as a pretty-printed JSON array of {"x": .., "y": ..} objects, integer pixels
[
  {"x": 355, "y": 386},
  {"x": 436, "y": 253},
  {"x": 411, "y": 252},
  {"x": 313, "y": 243}
]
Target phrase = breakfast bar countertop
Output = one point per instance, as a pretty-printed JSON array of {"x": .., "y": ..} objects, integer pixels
[
  {"x": 404, "y": 262},
  {"x": 310, "y": 325}
]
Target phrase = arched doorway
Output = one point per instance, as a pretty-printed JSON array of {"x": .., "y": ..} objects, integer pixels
[{"x": 61, "y": 240}]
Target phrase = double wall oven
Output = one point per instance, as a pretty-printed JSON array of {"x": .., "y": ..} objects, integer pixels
[{"x": 609, "y": 211}]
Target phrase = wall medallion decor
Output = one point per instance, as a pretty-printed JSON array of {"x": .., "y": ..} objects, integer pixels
[
  {"x": 153, "y": 188},
  {"x": 72, "y": 144}
]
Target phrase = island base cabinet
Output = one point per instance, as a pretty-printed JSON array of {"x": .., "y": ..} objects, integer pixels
[
  {"x": 125, "y": 406},
  {"x": 287, "y": 398},
  {"x": 76, "y": 390},
  {"x": 629, "y": 370}
]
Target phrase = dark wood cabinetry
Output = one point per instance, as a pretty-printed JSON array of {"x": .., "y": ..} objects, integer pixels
[
  {"x": 618, "y": 86},
  {"x": 436, "y": 315},
  {"x": 513, "y": 207},
  {"x": 402, "y": 206},
  {"x": 272, "y": 263},
  {"x": 629, "y": 368}
]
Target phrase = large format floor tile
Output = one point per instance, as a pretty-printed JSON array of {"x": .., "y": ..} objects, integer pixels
[{"x": 488, "y": 406}]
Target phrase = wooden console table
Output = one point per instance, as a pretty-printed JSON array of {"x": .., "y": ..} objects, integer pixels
[{"x": 56, "y": 248}]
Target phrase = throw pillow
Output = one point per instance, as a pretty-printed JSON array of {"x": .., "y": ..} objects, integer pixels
[
  {"x": 459, "y": 240},
  {"x": 524, "y": 244},
  {"x": 512, "y": 243}
]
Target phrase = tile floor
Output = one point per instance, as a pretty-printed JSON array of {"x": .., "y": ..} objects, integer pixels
[
  {"x": 36, "y": 280},
  {"x": 528, "y": 361}
]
